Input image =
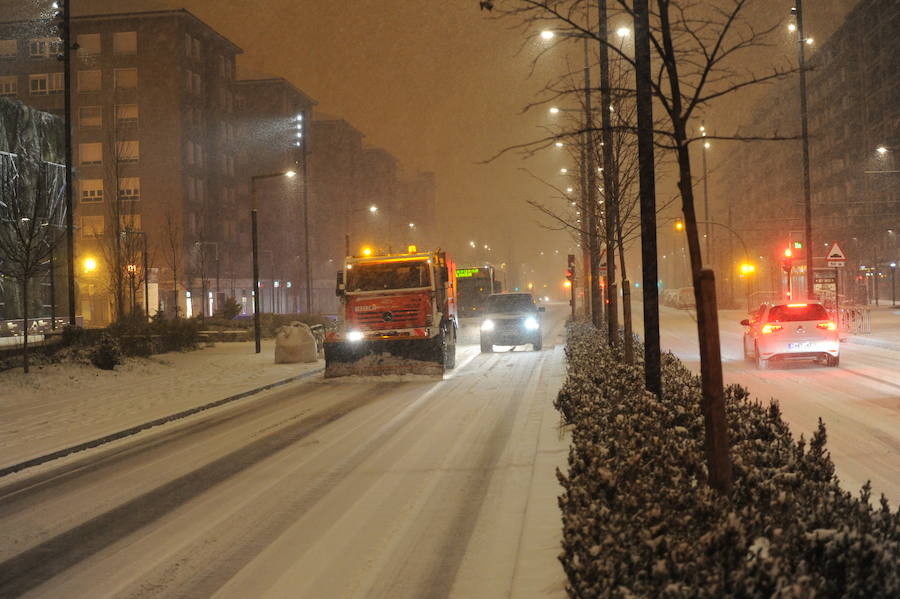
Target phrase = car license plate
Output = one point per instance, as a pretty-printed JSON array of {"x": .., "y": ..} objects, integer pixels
[{"x": 798, "y": 346}]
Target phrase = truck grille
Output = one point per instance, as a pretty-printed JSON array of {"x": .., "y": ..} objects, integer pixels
[{"x": 390, "y": 318}]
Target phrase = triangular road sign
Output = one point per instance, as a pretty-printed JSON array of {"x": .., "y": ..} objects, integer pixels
[{"x": 836, "y": 253}]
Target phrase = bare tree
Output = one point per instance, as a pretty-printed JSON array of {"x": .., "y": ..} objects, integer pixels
[
  {"x": 174, "y": 251},
  {"x": 32, "y": 219}
]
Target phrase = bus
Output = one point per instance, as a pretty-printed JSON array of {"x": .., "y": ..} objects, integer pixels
[{"x": 474, "y": 285}]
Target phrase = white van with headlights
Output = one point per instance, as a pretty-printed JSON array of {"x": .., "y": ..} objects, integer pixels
[{"x": 511, "y": 319}]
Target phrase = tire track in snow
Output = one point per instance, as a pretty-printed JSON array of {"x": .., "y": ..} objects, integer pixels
[{"x": 33, "y": 567}]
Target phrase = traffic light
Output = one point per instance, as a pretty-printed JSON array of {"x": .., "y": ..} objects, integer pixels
[
  {"x": 570, "y": 268},
  {"x": 798, "y": 245},
  {"x": 787, "y": 262}
]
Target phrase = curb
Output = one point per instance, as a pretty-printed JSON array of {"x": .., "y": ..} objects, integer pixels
[{"x": 147, "y": 425}]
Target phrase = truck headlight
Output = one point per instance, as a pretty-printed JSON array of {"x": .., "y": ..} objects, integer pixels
[
  {"x": 355, "y": 336},
  {"x": 531, "y": 323},
  {"x": 487, "y": 325}
]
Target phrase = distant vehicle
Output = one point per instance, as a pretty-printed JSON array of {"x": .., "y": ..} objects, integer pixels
[
  {"x": 801, "y": 331},
  {"x": 511, "y": 319},
  {"x": 685, "y": 298},
  {"x": 398, "y": 315},
  {"x": 474, "y": 285}
]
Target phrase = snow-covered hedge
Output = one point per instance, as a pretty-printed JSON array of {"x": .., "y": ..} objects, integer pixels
[{"x": 639, "y": 520}]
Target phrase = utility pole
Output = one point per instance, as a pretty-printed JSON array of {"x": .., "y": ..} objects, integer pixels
[
  {"x": 610, "y": 182},
  {"x": 652, "y": 367},
  {"x": 807, "y": 196},
  {"x": 306, "y": 224}
]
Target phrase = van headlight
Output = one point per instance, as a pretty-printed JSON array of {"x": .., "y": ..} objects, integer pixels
[
  {"x": 487, "y": 325},
  {"x": 355, "y": 336},
  {"x": 531, "y": 323}
]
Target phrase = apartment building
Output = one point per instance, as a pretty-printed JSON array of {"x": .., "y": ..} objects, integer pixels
[{"x": 153, "y": 138}]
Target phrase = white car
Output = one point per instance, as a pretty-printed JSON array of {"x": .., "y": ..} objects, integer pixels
[{"x": 801, "y": 331}]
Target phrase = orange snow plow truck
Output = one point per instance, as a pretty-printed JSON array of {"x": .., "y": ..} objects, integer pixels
[{"x": 398, "y": 316}]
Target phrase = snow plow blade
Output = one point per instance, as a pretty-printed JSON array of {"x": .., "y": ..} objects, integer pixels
[{"x": 381, "y": 358}]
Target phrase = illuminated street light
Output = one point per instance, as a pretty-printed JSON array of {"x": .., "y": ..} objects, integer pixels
[
  {"x": 569, "y": 190},
  {"x": 746, "y": 269},
  {"x": 623, "y": 31},
  {"x": 679, "y": 226},
  {"x": 881, "y": 150},
  {"x": 373, "y": 208},
  {"x": 559, "y": 144},
  {"x": 547, "y": 34},
  {"x": 706, "y": 145},
  {"x": 792, "y": 28},
  {"x": 554, "y": 110},
  {"x": 90, "y": 265},
  {"x": 563, "y": 171},
  {"x": 412, "y": 225},
  {"x": 809, "y": 41}
]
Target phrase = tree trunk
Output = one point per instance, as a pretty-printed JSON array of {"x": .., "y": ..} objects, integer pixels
[
  {"x": 25, "y": 323},
  {"x": 610, "y": 182},
  {"x": 626, "y": 301}
]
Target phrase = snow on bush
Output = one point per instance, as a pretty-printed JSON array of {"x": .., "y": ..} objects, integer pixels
[{"x": 640, "y": 521}]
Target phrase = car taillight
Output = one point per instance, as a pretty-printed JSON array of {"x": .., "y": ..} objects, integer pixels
[
  {"x": 828, "y": 326},
  {"x": 770, "y": 328}
]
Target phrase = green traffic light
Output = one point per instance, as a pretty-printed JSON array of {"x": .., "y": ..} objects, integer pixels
[{"x": 798, "y": 245}]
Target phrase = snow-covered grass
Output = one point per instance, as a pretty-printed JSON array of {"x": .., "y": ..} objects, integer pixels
[{"x": 640, "y": 521}]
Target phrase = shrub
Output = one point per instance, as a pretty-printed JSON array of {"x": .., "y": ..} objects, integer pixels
[
  {"x": 639, "y": 519},
  {"x": 229, "y": 310},
  {"x": 106, "y": 354}
]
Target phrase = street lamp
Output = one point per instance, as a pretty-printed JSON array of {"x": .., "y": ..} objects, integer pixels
[
  {"x": 797, "y": 11},
  {"x": 372, "y": 209},
  {"x": 255, "y": 242},
  {"x": 893, "y": 284}
]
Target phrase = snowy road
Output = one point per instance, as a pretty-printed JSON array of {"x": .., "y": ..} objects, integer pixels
[
  {"x": 346, "y": 488},
  {"x": 859, "y": 401}
]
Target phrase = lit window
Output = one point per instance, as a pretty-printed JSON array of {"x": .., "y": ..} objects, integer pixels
[
  {"x": 91, "y": 226},
  {"x": 131, "y": 222},
  {"x": 89, "y": 81},
  {"x": 9, "y": 86},
  {"x": 126, "y": 78},
  {"x": 57, "y": 83},
  {"x": 125, "y": 42},
  {"x": 89, "y": 44},
  {"x": 37, "y": 84},
  {"x": 90, "y": 117},
  {"x": 130, "y": 188},
  {"x": 44, "y": 47},
  {"x": 91, "y": 190},
  {"x": 90, "y": 154},
  {"x": 128, "y": 151},
  {"x": 8, "y": 50},
  {"x": 127, "y": 115}
]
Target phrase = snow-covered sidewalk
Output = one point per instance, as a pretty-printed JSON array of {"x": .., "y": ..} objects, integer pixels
[{"x": 59, "y": 406}]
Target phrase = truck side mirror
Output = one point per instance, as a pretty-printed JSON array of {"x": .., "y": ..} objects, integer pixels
[
  {"x": 339, "y": 284},
  {"x": 445, "y": 274},
  {"x": 745, "y": 322}
]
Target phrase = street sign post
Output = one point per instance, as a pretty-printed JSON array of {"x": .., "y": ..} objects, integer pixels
[{"x": 835, "y": 257}]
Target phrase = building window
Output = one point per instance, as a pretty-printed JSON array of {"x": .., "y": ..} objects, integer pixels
[
  {"x": 196, "y": 48},
  {"x": 9, "y": 50},
  {"x": 126, "y": 115},
  {"x": 89, "y": 81},
  {"x": 131, "y": 222},
  {"x": 44, "y": 47},
  {"x": 89, "y": 44},
  {"x": 195, "y": 83},
  {"x": 9, "y": 86},
  {"x": 128, "y": 151},
  {"x": 57, "y": 83},
  {"x": 222, "y": 66},
  {"x": 130, "y": 188},
  {"x": 38, "y": 84},
  {"x": 198, "y": 153},
  {"x": 90, "y": 154},
  {"x": 125, "y": 42},
  {"x": 90, "y": 117},
  {"x": 91, "y": 226},
  {"x": 126, "y": 78},
  {"x": 187, "y": 44},
  {"x": 91, "y": 190}
]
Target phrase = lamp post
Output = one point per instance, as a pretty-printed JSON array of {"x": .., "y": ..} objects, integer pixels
[
  {"x": 706, "y": 195},
  {"x": 255, "y": 251},
  {"x": 893, "y": 284},
  {"x": 804, "y": 128},
  {"x": 372, "y": 209}
]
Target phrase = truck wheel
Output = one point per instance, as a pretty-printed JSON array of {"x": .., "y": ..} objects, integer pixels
[{"x": 486, "y": 347}]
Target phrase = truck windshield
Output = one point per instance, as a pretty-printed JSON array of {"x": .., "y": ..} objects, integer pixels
[{"x": 378, "y": 276}]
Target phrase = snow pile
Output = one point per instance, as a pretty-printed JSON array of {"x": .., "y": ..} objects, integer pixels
[{"x": 640, "y": 521}]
